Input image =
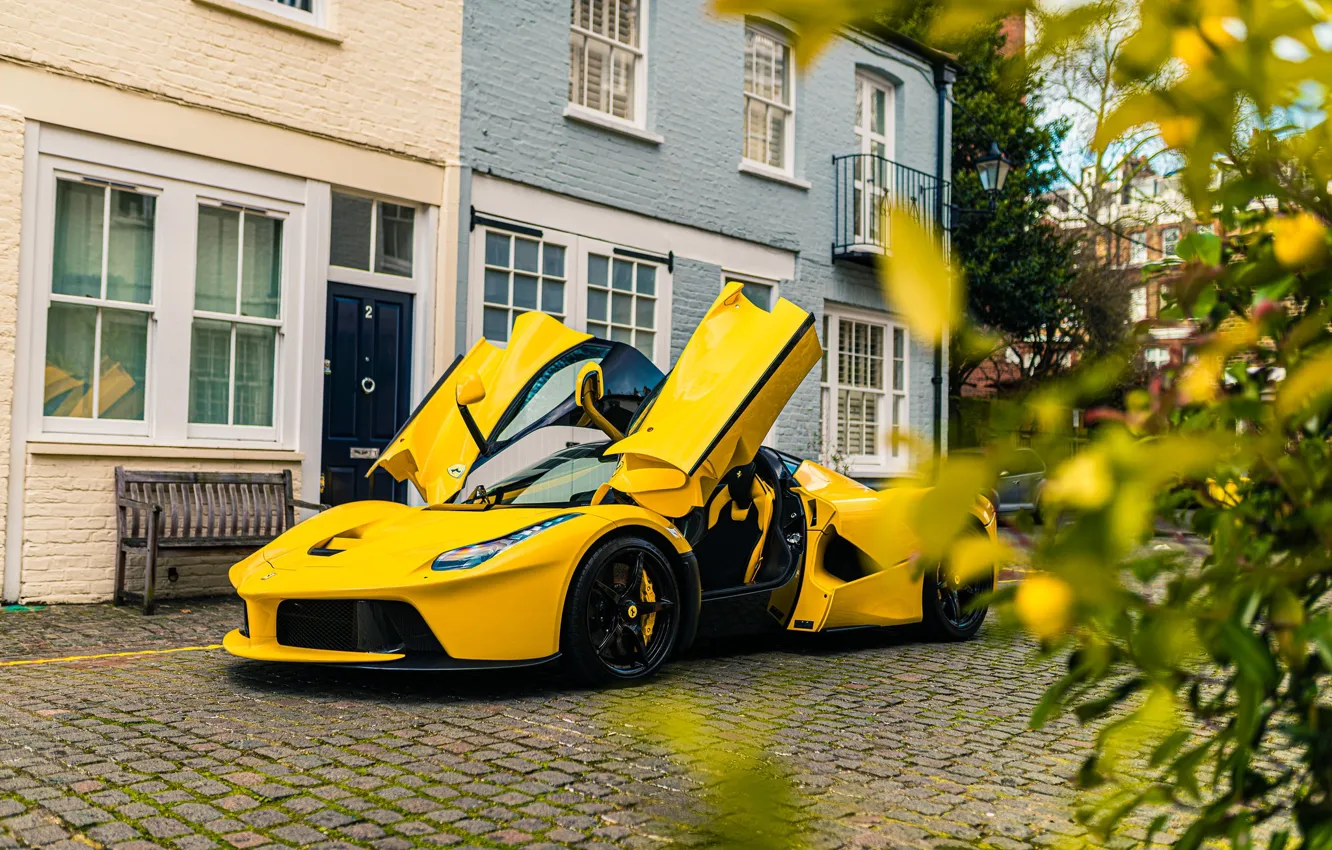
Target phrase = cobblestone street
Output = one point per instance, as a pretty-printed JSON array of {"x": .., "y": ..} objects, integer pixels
[{"x": 889, "y": 741}]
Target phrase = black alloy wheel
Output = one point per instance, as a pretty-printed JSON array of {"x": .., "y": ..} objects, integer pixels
[
  {"x": 621, "y": 618},
  {"x": 952, "y": 606}
]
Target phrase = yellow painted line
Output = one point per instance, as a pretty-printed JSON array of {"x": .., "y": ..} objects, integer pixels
[{"x": 69, "y": 658}]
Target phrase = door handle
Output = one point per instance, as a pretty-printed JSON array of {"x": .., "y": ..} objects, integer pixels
[{"x": 367, "y": 385}]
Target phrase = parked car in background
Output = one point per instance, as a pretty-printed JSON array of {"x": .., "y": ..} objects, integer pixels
[{"x": 1021, "y": 483}]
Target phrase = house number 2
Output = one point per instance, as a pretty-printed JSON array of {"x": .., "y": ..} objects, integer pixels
[{"x": 369, "y": 311}]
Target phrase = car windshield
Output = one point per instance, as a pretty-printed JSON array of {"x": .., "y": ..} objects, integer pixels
[{"x": 567, "y": 478}]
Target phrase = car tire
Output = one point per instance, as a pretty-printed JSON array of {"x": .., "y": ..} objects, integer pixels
[
  {"x": 606, "y": 635},
  {"x": 948, "y": 614}
]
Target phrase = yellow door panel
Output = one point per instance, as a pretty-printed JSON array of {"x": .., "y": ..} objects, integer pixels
[
  {"x": 733, "y": 378},
  {"x": 434, "y": 450}
]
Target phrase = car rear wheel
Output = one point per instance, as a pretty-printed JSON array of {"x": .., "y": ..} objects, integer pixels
[
  {"x": 622, "y": 615},
  {"x": 950, "y": 603}
]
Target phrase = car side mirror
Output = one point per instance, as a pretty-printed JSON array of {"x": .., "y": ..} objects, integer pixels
[
  {"x": 470, "y": 390},
  {"x": 591, "y": 388}
]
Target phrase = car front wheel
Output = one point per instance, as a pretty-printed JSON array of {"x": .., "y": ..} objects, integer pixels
[
  {"x": 951, "y": 603},
  {"x": 622, "y": 615}
]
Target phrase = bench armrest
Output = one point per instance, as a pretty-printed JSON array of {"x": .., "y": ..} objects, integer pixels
[
  {"x": 131, "y": 502},
  {"x": 309, "y": 506}
]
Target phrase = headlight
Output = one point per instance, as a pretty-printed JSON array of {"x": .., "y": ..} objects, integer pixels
[{"x": 466, "y": 557}]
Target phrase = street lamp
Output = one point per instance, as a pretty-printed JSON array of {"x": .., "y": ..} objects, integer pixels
[{"x": 993, "y": 170}]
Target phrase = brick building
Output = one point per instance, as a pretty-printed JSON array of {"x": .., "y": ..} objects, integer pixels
[
  {"x": 191, "y": 191},
  {"x": 648, "y": 141}
]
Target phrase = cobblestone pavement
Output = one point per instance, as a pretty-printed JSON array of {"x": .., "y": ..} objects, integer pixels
[{"x": 889, "y": 741}]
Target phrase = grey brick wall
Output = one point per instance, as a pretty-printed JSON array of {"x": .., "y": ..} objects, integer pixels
[{"x": 515, "y": 89}]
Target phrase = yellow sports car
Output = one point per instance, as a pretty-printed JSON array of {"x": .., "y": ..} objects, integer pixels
[{"x": 606, "y": 552}]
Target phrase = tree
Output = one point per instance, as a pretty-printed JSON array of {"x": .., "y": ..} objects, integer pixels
[{"x": 1208, "y": 673}]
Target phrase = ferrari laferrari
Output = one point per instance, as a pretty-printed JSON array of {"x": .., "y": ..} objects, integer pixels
[{"x": 651, "y": 497}]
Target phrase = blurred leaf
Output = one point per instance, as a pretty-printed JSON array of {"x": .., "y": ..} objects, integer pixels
[
  {"x": 1308, "y": 388},
  {"x": 917, "y": 281},
  {"x": 944, "y": 512}
]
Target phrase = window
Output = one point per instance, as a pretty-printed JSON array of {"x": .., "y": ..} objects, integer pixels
[
  {"x": 762, "y": 292},
  {"x": 606, "y": 59},
  {"x": 605, "y": 290},
  {"x": 769, "y": 104},
  {"x": 371, "y": 235},
  {"x": 521, "y": 274},
  {"x": 237, "y": 314},
  {"x": 1138, "y": 304},
  {"x": 874, "y": 136},
  {"x": 100, "y": 302},
  {"x": 1170, "y": 242},
  {"x": 864, "y": 392},
  {"x": 622, "y": 301},
  {"x": 1137, "y": 248}
]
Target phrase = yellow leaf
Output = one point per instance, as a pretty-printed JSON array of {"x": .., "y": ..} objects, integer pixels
[
  {"x": 942, "y": 513},
  {"x": 974, "y": 556},
  {"x": 917, "y": 281},
  {"x": 1044, "y": 604},
  {"x": 1201, "y": 379},
  {"x": 1083, "y": 481},
  {"x": 1189, "y": 45},
  {"x": 1308, "y": 386},
  {"x": 1298, "y": 240},
  {"x": 1178, "y": 131}
]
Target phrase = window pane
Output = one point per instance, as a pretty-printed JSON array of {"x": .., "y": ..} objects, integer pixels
[
  {"x": 497, "y": 249},
  {"x": 210, "y": 372},
  {"x": 71, "y": 334},
  {"x": 553, "y": 260},
  {"x": 575, "y": 68},
  {"x": 627, "y": 28},
  {"x": 349, "y": 237},
  {"x": 623, "y": 277},
  {"x": 780, "y": 78},
  {"x": 496, "y": 287},
  {"x": 596, "y": 304},
  {"x": 77, "y": 264},
  {"x": 124, "y": 365},
  {"x": 597, "y": 71},
  {"x": 397, "y": 226},
  {"x": 622, "y": 335},
  {"x": 622, "y": 309},
  {"x": 647, "y": 279},
  {"x": 645, "y": 313},
  {"x": 880, "y": 108},
  {"x": 495, "y": 324},
  {"x": 525, "y": 254},
  {"x": 216, "y": 256},
  {"x": 643, "y": 341},
  {"x": 261, "y": 267},
  {"x": 524, "y": 291},
  {"x": 776, "y": 138},
  {"x": 597, "y": 266},
  {"x": 622, "y": 98},
  {"x": 129, "y": 261},
  {"x": 596, "y": 329},
  {"x": 256, "y": 350},
  {"x": 552, "y": 296}
]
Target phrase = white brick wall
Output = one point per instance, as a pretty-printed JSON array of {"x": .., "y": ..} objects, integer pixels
[
  {"x": 69, "y": 531},
  {"x": 11, "y": 190}
]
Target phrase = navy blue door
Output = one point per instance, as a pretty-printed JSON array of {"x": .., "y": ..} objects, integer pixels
[{"x": 367, "y": 386}]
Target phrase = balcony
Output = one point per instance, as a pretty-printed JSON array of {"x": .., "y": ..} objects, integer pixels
[{"x": 864, "y": 184}]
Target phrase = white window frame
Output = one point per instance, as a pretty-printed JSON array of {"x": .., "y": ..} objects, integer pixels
[
  {"x": 317, "y": 16},
  {"x": 577, "y": 249},
  {"x": 166, "y": 401},
  {"x": 638, "y": 120},
  {"x": 871, "y": 207},
  {"x": 1174, "y": 250},
  {"x": 1138, "y": 248},
  {"x": 369, "y": 277},
  {"x": 773, "y": 286},
  {"x": 787, "y": 168},
  {"x": 1138, "y": 304},
  {"x": 883, "y": 463}
]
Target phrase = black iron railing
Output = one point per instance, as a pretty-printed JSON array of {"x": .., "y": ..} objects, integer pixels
[{"x": 864, "y": 186}]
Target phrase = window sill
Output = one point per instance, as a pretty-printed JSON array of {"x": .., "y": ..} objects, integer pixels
[
  {"x": 767, "y": 172},
  {"x": 104, "y": 450},
  {"x": 602, "y": 121},
  {"x": 245, "y": 10}
]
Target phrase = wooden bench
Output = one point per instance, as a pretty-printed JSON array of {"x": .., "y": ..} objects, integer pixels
[{"x": 197, "y": 510}]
